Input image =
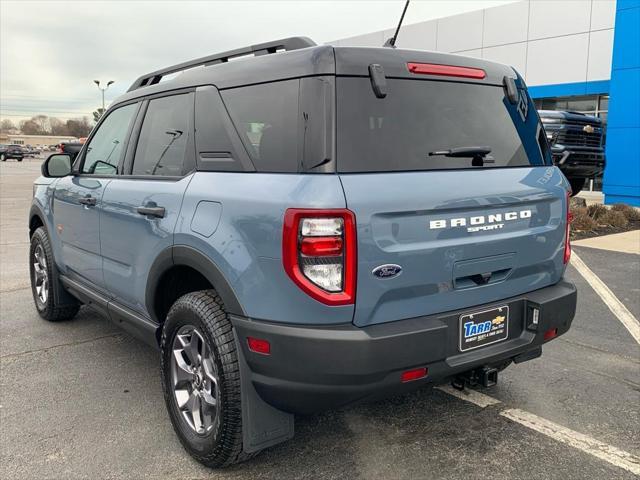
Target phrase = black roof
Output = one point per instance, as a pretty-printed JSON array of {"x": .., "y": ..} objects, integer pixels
[{"x": 271, "y": 64}]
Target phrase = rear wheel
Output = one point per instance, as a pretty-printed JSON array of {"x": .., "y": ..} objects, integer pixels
[
  {"x": 576, "y": 185},
  {"x": 201, "y": 379},
  {"x": 19, "y": 159},
  {"x": 44, "y": 280}
]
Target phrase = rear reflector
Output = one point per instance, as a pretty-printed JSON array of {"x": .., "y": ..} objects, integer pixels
[
  {"x": 415, "y": 374},
  {"x": 446, "y": 70},
  {"x": 550, "y": 334},
  {"x": 259, "y": 345},
  {"x": 567, "y": 237}
]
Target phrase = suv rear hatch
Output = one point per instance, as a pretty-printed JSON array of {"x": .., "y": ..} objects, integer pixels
[{"x": 434, "y": 232}]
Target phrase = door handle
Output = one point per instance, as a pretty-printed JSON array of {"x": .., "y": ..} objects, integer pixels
[
  {"x": 151, "y": 211},
  {"x": 88, "y": 201}
]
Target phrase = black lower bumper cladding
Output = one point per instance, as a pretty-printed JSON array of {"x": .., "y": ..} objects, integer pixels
[{"x": 310, "y": 369}]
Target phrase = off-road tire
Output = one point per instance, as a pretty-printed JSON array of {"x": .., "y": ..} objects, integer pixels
[
  {"x": 50, "y": 310},
  {"x": 577, "y": 184},
  {"x": 205, "y": 311}
]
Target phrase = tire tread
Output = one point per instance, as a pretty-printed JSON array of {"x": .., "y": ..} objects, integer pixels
[
  {"x": 208, "y": 306},
  {"x": 52, "y": 312}
]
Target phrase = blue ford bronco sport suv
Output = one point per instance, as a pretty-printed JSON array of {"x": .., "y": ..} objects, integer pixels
[{"x": 307, "y": 228}]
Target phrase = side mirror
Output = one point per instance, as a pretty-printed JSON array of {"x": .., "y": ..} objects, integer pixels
[{"x": 57, "y": 165}]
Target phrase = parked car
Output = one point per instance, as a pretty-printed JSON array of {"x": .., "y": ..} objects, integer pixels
[
  {"x": 576, "y": 145},
  {"x": 309, "y": 228},
  {"x": 71, "y": 148},
  {"x": 31, "y": 151},
  {"x": 11, "y": 151}
]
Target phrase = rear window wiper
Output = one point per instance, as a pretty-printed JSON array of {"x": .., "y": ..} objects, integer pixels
[{"x": 478, "y": 154}]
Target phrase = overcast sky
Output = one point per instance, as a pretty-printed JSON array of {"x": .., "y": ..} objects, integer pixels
[{"x": 51, "y": 51}]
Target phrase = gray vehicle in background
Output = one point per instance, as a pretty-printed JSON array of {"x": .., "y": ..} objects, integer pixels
[
  {"x": 576, "y": 142},
  {"x": 309, "y": 227}
]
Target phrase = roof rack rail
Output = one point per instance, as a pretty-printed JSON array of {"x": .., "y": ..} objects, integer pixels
[{"x": 286, "y": 44}]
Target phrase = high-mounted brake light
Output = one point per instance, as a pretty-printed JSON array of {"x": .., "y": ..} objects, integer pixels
[
  {"x": 446, "y": 70},
  {"x": 567, "y": 237},
  {"x": 319, "y": 253}
]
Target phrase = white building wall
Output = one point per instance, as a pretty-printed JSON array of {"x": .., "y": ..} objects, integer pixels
[{"x": 548, "y": 42}]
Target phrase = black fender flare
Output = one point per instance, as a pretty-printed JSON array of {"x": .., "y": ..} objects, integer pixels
[
  {"x": 178, "y": 255},
  {"x": 60, "y": 294},
  {"x": 36, "y": 211}
]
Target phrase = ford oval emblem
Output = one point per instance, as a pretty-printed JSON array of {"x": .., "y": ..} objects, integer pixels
[{"x": 387, "y": 271}]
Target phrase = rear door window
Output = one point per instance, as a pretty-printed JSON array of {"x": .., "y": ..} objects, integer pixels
[
  {"x": 164, "y": 136},
  {"x": 266, "y": 118},
  {"x": 397, "y": 133}
]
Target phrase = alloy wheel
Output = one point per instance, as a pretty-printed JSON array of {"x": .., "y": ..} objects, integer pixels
[
  {"x": 41, "y": 275},
  {"x": 194, "y": 379}
]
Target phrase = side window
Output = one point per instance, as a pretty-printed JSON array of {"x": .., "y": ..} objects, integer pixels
[
  {"x": 266, "y": 117},
  {"x": 163, "y": 138},
  {"x": 107, "y": 145}
]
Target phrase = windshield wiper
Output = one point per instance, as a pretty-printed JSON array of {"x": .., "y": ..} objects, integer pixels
[{"x": 478, "y": 154}]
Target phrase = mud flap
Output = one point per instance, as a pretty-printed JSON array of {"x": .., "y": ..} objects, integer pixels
[{"x": 262, "y": 425}]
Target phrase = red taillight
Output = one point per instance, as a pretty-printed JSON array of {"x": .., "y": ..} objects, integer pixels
[
  {"x": 258, "y": 345},
  {"x": 319, "y": 253},
  {"x": 567, "y": 237},
  {"x": 321, "y": 246},
  {"x": 550, "y": 334},
  {"x": 415, "y": 374},
  {"x": 446, "y": 70}
]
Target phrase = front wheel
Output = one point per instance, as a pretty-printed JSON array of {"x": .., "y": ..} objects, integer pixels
[
  {"x": 44, "y": 280},
  {"x": 201, "y": 379},
  {"x": 3, "y": 157}
]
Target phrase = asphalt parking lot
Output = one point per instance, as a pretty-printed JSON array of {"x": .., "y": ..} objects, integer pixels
[{"x": 81, "y": 399}]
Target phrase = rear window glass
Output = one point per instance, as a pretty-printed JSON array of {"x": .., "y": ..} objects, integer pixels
[
  {"x": 397, "y": 133},
  {"x": 266, "y": 117}
]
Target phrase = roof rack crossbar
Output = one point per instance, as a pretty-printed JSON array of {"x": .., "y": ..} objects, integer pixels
[{"x": 286, "y": 44}]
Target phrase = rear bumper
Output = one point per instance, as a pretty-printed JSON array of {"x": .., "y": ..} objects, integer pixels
[{"x": 315, "y": 368}]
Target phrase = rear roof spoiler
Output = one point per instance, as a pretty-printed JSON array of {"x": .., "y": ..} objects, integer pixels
[{"x": 285, "y": 44}]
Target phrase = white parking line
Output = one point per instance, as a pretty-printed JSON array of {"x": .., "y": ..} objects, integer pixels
[
  {"x": 616, "y": 306},
  {"x": 577, "y": 440},
  {"x": 468, "y": 395},
  {"x": 589, "y": 445}
]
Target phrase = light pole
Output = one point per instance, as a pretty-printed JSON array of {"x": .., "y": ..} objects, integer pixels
[{"x": 97, "y": 82}]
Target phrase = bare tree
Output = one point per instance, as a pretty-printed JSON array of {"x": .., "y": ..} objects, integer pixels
[
  {"x": 79, "y": 127},
  {"x": 31, "y": 127},
  {"x": 7, "y": 125},
  {"x": 97, "y": 114},
  {"x": 43, "y": 123},
  {"x": 58, "y": 127}
]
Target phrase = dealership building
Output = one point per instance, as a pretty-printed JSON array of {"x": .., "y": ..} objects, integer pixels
[{"x": 579, "y": 55}]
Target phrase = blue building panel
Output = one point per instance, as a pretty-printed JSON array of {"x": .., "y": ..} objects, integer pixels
[
  {"x": 624, "y": 105},
  {"x": 622, "y": 175},
  {"x": 570, "y": 89}
]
